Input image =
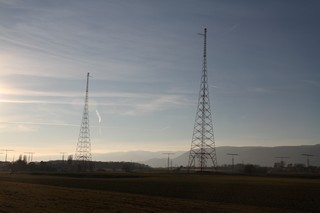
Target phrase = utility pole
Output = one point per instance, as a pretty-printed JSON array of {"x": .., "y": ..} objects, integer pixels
[
  {"x": 6, "y": 150},
  {"x": 30, "y": 157},
  {"x": 168, "y": 153},
  {"x": 308, "y": 160},
  {"x": 202, "y": 144},
  {"x": 63, "y": 153},
  {"x": 232, "y": 154}
]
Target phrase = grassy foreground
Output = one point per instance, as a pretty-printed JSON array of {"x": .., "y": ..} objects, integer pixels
[{"x": 157, "y": 193}]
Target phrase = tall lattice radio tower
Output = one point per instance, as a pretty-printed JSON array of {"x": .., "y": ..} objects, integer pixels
[
  {"x": 203, "y": 145},
  {"x": 83, "y": 151}
]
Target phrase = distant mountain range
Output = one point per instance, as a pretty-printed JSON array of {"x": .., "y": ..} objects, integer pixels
[
  {"x": 134, "y": 156},
  {"x": 263, "y": 156}
]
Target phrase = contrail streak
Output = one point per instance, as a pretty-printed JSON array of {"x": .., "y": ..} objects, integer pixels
[
  {"x": 99, "y": 118},
  {"x": 98, "y": 115}
]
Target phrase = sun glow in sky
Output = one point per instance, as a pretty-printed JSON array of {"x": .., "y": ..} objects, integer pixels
[{"x": 145, "y": 59}]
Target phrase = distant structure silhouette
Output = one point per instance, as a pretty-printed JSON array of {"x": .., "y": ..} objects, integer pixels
[
  {"x": 168, "y": 153},
  {"x": 308, "y": 158},
  {"x": 282, "y": 159},
  {"x": 30, "y": 157},
  {"x": 203, "y": 145},
  {"x": 63, "y": 153},
  {"x": 232, "y": 159},
  {"x": 6, "y": 150},
  {"x": 83, "y": 151}
]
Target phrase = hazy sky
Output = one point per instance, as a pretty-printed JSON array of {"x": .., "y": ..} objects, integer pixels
[{"x": 145, "y": 59}]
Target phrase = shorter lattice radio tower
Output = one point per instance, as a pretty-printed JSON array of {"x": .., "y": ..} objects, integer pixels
[
  {"x": 83, "y": 151},
  {"x": 203, "y": 145}
]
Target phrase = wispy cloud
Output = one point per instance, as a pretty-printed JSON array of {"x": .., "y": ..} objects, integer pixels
[
  {"x": 312, "y": 82},
  {"x": 23, "y": 126},
  {"x": 37, "y": 93},
  {"x": 165, "y": 128},
  {"x": 41, "y": 123},
  {"x": 126, "y": 103},
  {"x": 17, "y": 127},
  {"x": 110, "y": 51},
  {"x": 233, "y": 27},
  {"x": 261, "y": 90},
  {"x": 161, "y": 103}
]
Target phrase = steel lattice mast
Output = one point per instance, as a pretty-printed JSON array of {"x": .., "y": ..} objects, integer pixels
[
  {"x": 83, "y": 151},
  {"x": 203, "y": 145}
]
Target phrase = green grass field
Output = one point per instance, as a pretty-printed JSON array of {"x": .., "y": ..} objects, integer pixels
[{"x": 157, "y": 193}]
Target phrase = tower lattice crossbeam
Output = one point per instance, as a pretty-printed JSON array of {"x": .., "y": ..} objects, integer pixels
[{"x": 202, "y": 144}]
